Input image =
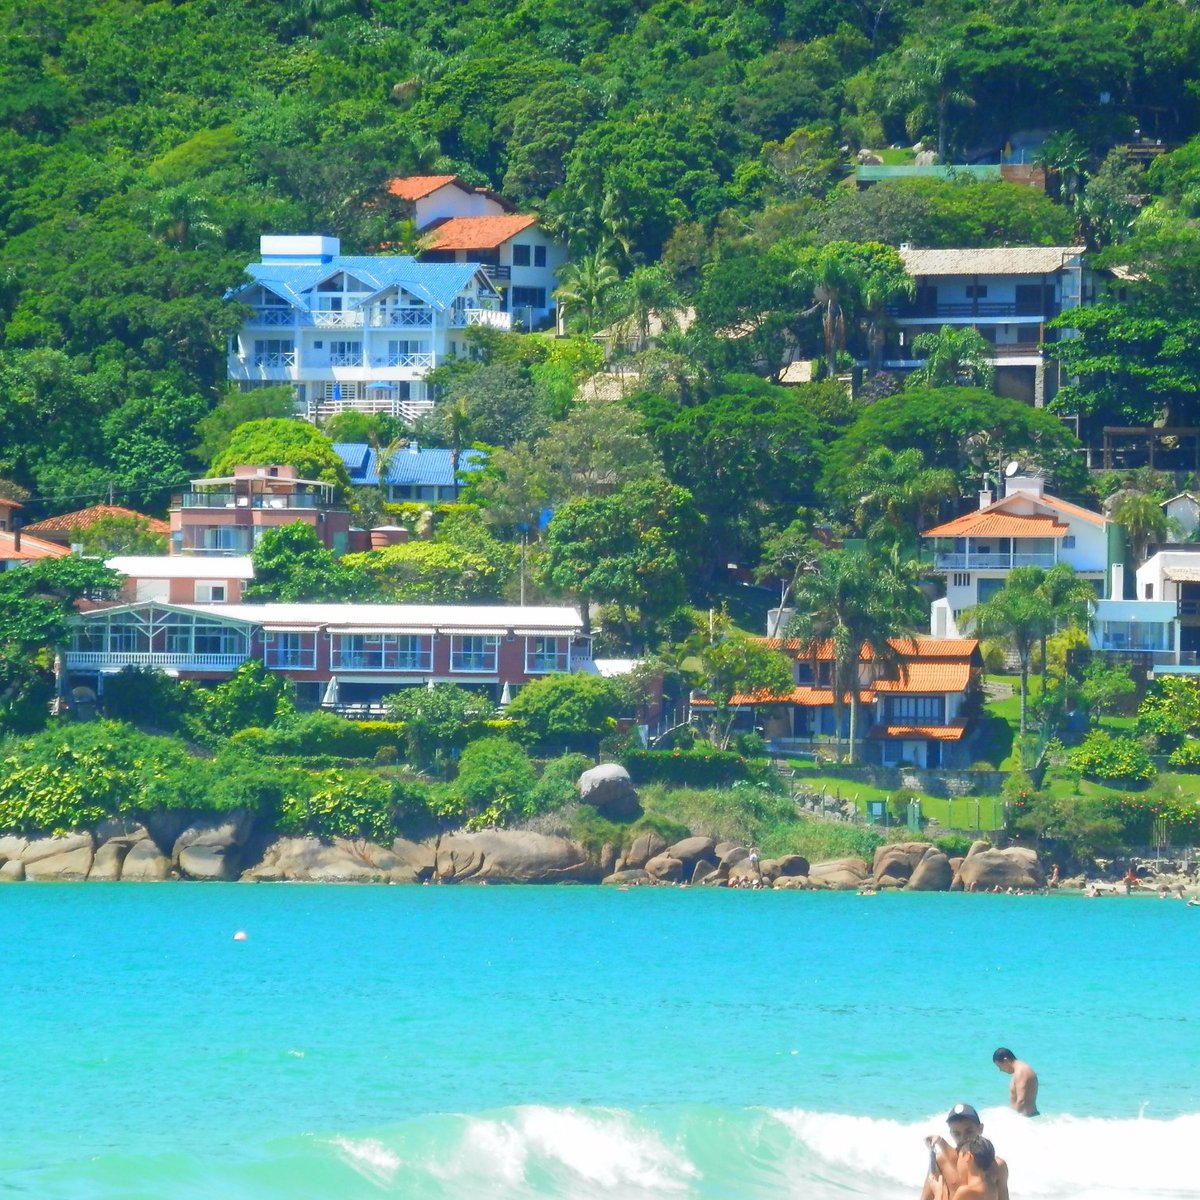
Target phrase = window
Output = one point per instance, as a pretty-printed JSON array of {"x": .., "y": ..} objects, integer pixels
[
  {"x": 1068, "y": 542},
  {"x": 413, "y": 653},
  {"x": 127, "y": 635},
  {"x": 962, "y": 579},
  {"x": 289, "y": 651},
  {"x": 520, "y": 255},
  {"x": 274, "y": 352},
  {"x": 543, "y": 654},
  {"x": 1149, "y": 592},
  {"x": 210, "y": 592},
  {"x": 473, "y": 653},
  {"x": 976, "y": 291},
  {"x": 214, "y": 638},
  {"x": 345, "y": 354},
  {"x": 528, "y": 297},
  {"x": 924, "y": 710},
  {"x": 539, "y": 256}
]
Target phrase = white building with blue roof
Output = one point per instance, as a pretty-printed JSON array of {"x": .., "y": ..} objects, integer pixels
[
  {"x": 411, "y": 473},
  {"x": 354, "y": 331}
]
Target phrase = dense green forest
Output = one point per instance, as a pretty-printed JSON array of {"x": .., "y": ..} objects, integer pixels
[{"x": 688, "y": 149}]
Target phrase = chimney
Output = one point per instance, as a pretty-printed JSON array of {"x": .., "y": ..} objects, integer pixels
[
  {"x": 1116, "y": 587},
  {"x": 414, "y": 447},
  {"x": 985, "y": 498}
]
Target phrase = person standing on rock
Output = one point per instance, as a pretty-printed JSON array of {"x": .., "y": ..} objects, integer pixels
[
  {"x": 945, "y": 1174},
  {"x": 1023, "y": 1090},
  {"x": 754, "y": 861}
]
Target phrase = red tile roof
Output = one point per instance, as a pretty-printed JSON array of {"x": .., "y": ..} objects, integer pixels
[
  {"x": 958, "y": 649},
  {"x": 416, "y": 187},
  {"x": 953, "y": 732},
  {"x": 928, "y": 677},
  {"x": 85, "y": 518},
  {"x": 5, "y": 502},
  {"x": 1000, "y": 524},
  {"x": 805, "y": 697},
  {"x": 32, "y": 548},
  {"x": 477, "y": 233}
]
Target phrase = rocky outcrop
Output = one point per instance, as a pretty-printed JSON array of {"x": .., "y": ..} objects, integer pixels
[
  {"x": 210, "y": 847},
  {"x": 629, "y": 878},
  {"x": 932, "y": 874},
  {"x": 792, "y": 866},
  {"x": 986, "y": 868},
  {"x": 11, "y": 848},
  {"x": 692, "y": 850},
  {"x": 665, "y": 868},
  {"x": 510, "y": 856},
  {"x": 315, "y": 860},
  {"x": 841, "y": 874},
  {"x": 644, "y": 847},
  {"x": 59, "y": 859},
  {"x": 144, "y": 862},
  {"x": 895, "y": 863},
  {"x": 610, "y": 791},
  {"x": 106, "y": 866}
]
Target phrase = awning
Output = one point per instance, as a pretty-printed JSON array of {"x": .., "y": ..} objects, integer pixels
[
  {"x": 546, "y": 632},
  {"x": 1182, "y": 574},
  {"x": 290, "y": 628},
  {"x": 472, "y": 632},
  {"x": 418, "y": 631}
]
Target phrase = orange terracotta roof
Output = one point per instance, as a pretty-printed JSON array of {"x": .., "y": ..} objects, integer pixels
[
  {"x": 477, "y": 233},
  {"x": 928, "y": 677},
  {"x": 959, "y": 649},
  {"x": 953, "y": 732},
  {"x": 416, "y": 187},
  {"x": 84, "y": 518},
  {"x": 805, "y": 697},
  {"x": 32, "y": 548},
  {"x": 987, "y": 523},
  {"x": 5, "y": 502},
  {"x": 1075, "y": 510}
]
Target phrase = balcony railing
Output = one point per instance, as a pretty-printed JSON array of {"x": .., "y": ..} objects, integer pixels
[
  {"x": 287, "y": 359},
  {"x": 983, "y": 308},
  {"x": 273, "y": 316},
  {"x": 473, "y": 663},
  {"x": 421, "y": 359},
  {"x": 346, "y": 360},
  {"x": 349, "y": 318},
  {"x": 544, "y": 664},
  {"x": 491, "y": 317},
  {"x": 399, "y": 318},
  {"x": 240, "y": 500},
  {"x": 1152, "y": 657},
  {"x": 496, "y": 271},
  {"x": 284, "y": 660},
  {"x": 1016, "y": 349},
  {"x": 376, "y": 660},
  {"x": 991, "y": 562},
  {"x": 84, "y": 659}
]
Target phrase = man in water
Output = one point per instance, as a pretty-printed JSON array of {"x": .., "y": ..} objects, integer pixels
[
  {"x": 1023, "y": 1090},
  {"x": 944, "y": 1175},
  {"x": 976, "y": 1163}
]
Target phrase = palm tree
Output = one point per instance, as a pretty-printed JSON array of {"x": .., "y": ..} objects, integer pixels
[
  {"x": 457, "y": 424},
  {"x": 878, "y": 290},
  {"x": 953, "y": 356},
  {"x": 857, "y": 602},
  {"x": 834, "y": 278},
  {"x": 184, "y": 219},
  {"x": 1064, "y": 158},
  {"x": 407, "y": 239},
  {"x": 1144, "y": 520},
  {"x": 1066, "y": 598},
  {"x": 897, "y": 491},
  {"x": 1017, "y": 614},
  {"x": 586, "y": 282},
  {"x": 928, "y": 92}
]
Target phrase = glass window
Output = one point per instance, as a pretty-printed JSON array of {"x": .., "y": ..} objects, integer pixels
[
  {"x": 544, "y": 654},
  {"x": 520, "y": 255},
  {"x": 476, "y": 653},
  {"x": 528, "y": 297},
  {"x": 539, "y": 256},
  {"x": 290, "y": 651}
]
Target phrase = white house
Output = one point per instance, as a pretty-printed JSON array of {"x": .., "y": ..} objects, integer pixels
[
  {"x": 469, "y": 224},
  {"x": 1184, "y": 510},
  {"x": 1007, "y": 294},
  {"x": 354, "y": 331},
  {"x": 1027, "y": 528}
]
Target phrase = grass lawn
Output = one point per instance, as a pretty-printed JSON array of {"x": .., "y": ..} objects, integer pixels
[
  {"x": 747, "y": 606},
  {"x": 898, "y": 156},
  {"x": 1002, "y": 721},
  {"x": 960, "y": 812}
]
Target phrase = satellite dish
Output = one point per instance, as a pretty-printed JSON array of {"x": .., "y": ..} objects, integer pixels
[{"x": 1012, "y": 468}]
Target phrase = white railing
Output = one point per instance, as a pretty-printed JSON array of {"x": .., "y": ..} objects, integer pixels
[
  {"x": 381, "y": 661},
  {"x": 473, "y": 663},
  {"x": 400, "y": 318},
  {"x": 545, "y": 664},
  {"x": 287, "y": 359},
  {"x": 421, "y": 359},
  {"x": 346, "y": 360},
  {"x": 82, "y": 659},
  {"x": 491, "y": 317},
  {"x": 992, "y": 562},
  {"x": 337, "y": 318},
  {"x": 302, "y": 661},
  {"x": 273, "y": 316}
]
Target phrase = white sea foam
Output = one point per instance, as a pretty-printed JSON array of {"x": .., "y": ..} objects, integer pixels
[
  {"x": 370, "y": 1158},
  {"x": 1049, "y": 1158}
]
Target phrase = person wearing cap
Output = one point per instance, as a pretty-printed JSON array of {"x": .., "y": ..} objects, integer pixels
[{"x": 945, "y": 1175}]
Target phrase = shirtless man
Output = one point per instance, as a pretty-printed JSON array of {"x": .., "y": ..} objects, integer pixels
[
  {"x": 944, "y": 1176},
  {"x": 1023, "y": 1090},
  {"x": 976, "y": 1163}
]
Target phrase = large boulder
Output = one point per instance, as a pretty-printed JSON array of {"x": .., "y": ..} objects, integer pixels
[
  {"x": 210, "y": 847},
  {"x": 894, "y": 863},
  {"x": 144, "y": 862},
  {"x": 644, "y": 847},
  {"x": 791, "y": 883},
  {"x": 12, "y": 871},
  {"x": 314, "y": 860},
  {"x": 1016, "y": 867},
  {"x": 792, "y": 866},
  {"x": 513, "y": 856},
  {"x": 665, "y": 868},
  {"x": 106, "y": 866},
  {"x": 932, "y": 874},
  {"x": 839, "y": 875},
  {"x": 12, "y": 847},
  {"x": 70, "y": 862},
  {"x": 692, "y": 850},
  {"x": 610, "y": 791},
  {"x": 630, "y": 878}
]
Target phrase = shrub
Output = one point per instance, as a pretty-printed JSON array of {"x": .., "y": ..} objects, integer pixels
[
  {"x": 701, "y": 767},
  {"x": 148, "y": 697},
  {"x": 1187, "y": 756},
  {"x": 559, "y": 783},
  {"x": 1170, "y": 710},
  {"x": 496, "y": 779},
  {"x": 570, "y": 712},
  {"x": 1113, "y": 759},
  {"x": 347, "y": 804},
  {"x": 953, "y": 845},
  {"x": 322, "y": 733}
]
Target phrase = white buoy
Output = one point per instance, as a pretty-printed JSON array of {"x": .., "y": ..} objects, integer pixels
[{"x": 240, "y": 936}]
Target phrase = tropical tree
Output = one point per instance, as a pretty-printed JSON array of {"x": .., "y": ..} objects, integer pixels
[
  {"x": 787, "y": 554},
  {"x": 586, "y": 284},
  {"x": 953, "y": 356},
  {"x": 1065, "y": 158},
  {"x": 1066, "y": 597},
  {"x": 928, "y": 91},
  {"x": 1144, "y": 521},
  {"x": 897, "y": 492},
  {"x": 438, "y": 720},
  {"x": 741, "y": 666},
  {"x": 856, "y": 602},
  {"x": 184, "y": 219}
]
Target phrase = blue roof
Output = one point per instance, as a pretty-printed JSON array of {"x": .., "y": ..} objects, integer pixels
[
  {"x": 423, "y": 467},
  {"x": 435, "y": 283}
]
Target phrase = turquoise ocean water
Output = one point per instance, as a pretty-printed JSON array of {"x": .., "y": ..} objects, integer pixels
[{"x": 584, "y": 1043}]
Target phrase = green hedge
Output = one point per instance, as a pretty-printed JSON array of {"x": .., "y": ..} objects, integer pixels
[
  {"x": 688, "y": 768},
  {"x": 321, "y": 735}
]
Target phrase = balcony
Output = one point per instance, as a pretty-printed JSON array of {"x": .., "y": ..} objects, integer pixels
[
  {"x": 240, "y": 500},
  {"x": 349, "y": 318},
  {"x": 346, "y": 360},
  {"x": 399, "y": 318},
  {"x": 496, "y": 271},
  {"x": 272, "y": 316},
  {"x": 490, "y": 317},
  {"x": 1003, "y": 350},
  {"x": 421, "y": 360},
  {"x": 380, "y": 660},
  {"x": 991, "y": 562},
  {"x": 290, "y": 660},
  {"x": 110, "y": 660},
  {"x": 969, "y": 310},
  {"x": 545, "y": 664},
  {"x": 286, "y": 359}
]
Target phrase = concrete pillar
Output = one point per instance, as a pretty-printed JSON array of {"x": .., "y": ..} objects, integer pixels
[{"x": 1039, "y": 385}]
